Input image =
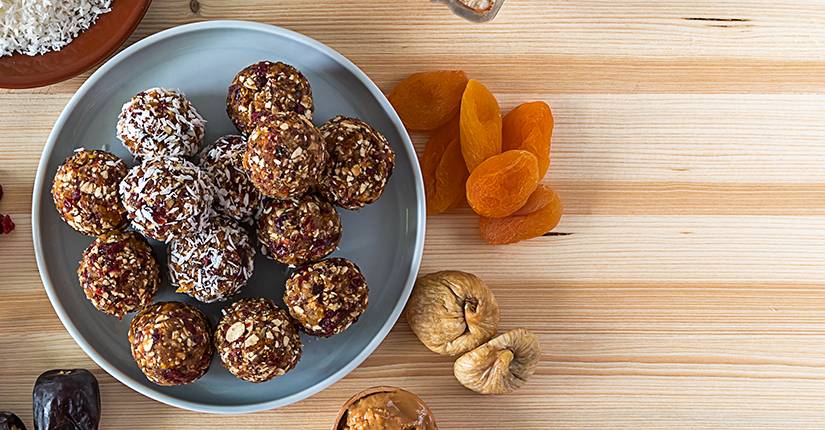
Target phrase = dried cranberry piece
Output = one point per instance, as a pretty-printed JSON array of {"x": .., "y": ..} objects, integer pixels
[{"x": 6, "y": 225}]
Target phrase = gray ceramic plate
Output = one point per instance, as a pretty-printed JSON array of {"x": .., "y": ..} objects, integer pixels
[{"x": 385, "y": 239}]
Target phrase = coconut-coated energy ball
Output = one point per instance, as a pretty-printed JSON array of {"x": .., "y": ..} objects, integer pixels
[
  {"x": 235, "y": 194},
  {"x": 212, "y": 264},
  {"x": 285, "y": 155},
  {"x": 299, "y": 230},
  {"x": 256, "y": 340},
  {"x": 266, "y": 88},
  {"x": 119, "y": 273},
  {"x": 167, "y": 198},
  {"x": 326, "y": 297},
  {"x": 361, "y": 163},
  {"x": 171, "y": 343},
  {"x": 85, "y": 192},
  {"x": 160, "y": 122}
]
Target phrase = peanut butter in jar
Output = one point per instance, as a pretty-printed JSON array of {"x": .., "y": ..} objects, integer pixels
[{"x": 385, "y": 408}]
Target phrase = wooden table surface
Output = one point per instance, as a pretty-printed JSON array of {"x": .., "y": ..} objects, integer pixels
[{"x": 687, "y": 289}]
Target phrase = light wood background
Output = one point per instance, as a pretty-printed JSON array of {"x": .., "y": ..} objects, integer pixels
[{"x": 689, "y": 150}]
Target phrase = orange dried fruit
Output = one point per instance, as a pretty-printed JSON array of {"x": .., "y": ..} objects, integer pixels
[
  {"x": 428, "y": 100},
  {"x": 538, "y": 216},
  {"x": 529, "y": 127},
  {"x": 443, "y": 169},
  {"x": 480, "y": 125},
  {"x": 502, "y": 184}
]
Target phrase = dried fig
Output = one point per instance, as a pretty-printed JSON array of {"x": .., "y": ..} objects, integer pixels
[
  {"x": 452, "y": 312},
  {"x": 500, "y": 365}
]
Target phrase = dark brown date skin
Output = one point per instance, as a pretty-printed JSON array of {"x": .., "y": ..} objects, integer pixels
[
  {"x": 10, "y": 421},
  {"x": 66, "y": 400}
]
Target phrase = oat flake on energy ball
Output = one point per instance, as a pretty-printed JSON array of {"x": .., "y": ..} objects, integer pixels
[{"x": 34, "y": 27}]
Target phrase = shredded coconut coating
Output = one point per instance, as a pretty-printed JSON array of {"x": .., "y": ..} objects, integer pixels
[
  {"x": 212, "y": 264},
  {"x": 34, "y": 27},
  {"x": 299, "y": 230},
  {"x": 171, "y": 343},
  {"x": 235, "y": 194},
  {"x": 285, "y": 155},
  {"x": 361, "y": 163},
  {"x": 266, "y": 88},
  {"x": 160, "y": 122},
  {"x": 167, "y": 198},
  {"x": 326, "y": 297},
  {"x": 256, "y": 340},
  {"x": 85, "y": 193},
  {"x": 119, "y": 273}
]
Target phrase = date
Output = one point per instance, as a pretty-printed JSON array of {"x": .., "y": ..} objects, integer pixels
[
  {"x": 66, "y": 400},
  {"x": 10, "y": 421}
]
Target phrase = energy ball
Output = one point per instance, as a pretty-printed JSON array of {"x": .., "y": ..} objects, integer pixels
[
  {"x": 119, "y": 273},
  {"x": 257, "y": 340},
  {"x": 326, "y": 297},
  {"x": 159, "y": 122},
  {"x": 266, "y": 88},
  {"x": 85, "y": 192},
  {"x": 299, "y": 230},
  {"x": 171, "y": 343},
  {"x": 212, "y": 264},
  {"x": 235, "y": 194},
  {"x": 361, "y": 163},
  {"x": 167, "y": 198},
  {"x": 285, "y": 155}
]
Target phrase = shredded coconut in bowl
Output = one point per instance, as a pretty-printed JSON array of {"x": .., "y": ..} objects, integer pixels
[{"x": 34, "y": 27}]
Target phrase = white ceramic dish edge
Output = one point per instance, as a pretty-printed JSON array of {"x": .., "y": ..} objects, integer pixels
[{"x": 41, "y": 181}]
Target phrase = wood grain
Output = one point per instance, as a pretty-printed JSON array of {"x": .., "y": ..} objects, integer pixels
[{"x": 685, "y": 289}]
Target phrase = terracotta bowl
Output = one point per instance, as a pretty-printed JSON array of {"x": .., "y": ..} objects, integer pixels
[
  {"x": 87, "y": 49},
  {"x": 341, "y": 418}
]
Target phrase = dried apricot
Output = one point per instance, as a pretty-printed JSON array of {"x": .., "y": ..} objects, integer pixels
[
  {"x": 539, "y": 215},
  {"x": 443, "y": 169},
  {"x": 428, "y": 100},
  {"x": 480, "y": 125},
  {"x": 502, "y": 184},
  {"x": 529, "y": 127}
]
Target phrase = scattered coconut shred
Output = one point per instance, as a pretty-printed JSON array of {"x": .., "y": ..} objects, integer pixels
[{"x": 34, "y": 27}]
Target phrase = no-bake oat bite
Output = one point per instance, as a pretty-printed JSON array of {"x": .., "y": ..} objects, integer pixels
[
  {"x": 299, "y": 230},
  {"x": 235, "y": 194},
  {"x": 167, "y": 198},
  {"x": 266, "y": 88},
  {"x": 85, "y": 192},
  {"x": 285, "y": 155},
  {"x": 256, "y": 340},
  {"x": 119, "y": 273},
  {"x": 160, "y": 122},
  {"x": 171, "y": 343},
  {"x": 326, "y": 297},
  {"x": 212, "y": 264},
  {"x": 361, "y": 163}
]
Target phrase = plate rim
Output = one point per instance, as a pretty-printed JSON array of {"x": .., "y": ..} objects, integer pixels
[
  {"x": 41, "y": 176},
  {"x": 123, "y": 32}
]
